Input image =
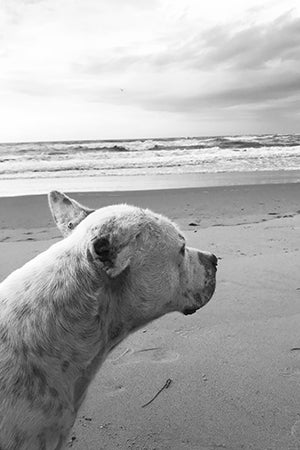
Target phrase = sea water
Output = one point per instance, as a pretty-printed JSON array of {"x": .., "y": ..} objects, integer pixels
[{"x": 34, "y": 167}]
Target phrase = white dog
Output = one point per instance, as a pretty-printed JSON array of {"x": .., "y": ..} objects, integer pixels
[{"x": 117, "y": 269}]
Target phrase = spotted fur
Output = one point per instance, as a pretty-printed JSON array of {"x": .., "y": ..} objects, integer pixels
[{"x": 117, "y": 269}]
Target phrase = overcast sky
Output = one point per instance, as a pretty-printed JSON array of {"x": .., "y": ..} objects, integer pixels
[{"x": 94, "y": 69}]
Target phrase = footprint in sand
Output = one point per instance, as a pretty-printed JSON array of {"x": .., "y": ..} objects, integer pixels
[
  {"x": 154, "y": 354},
  {"x": 294, "y": 369},
  {"x": 295, "y": 432},
  {"x": 185, "y": 332},
  {"x": 112, "y": 388},
  {"x": 290, "y": 371}
]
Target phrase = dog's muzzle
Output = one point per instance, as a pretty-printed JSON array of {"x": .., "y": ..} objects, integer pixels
[{"x": 210, "y": 262}]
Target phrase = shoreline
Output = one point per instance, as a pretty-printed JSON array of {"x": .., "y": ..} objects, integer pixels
[{"x": 124, "y": 183}]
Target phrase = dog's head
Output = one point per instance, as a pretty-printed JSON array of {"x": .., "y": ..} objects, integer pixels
[{"x": 145, "y": 250}]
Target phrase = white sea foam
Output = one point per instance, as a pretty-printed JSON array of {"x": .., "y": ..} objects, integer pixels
[{"x": 57, "y": 160}]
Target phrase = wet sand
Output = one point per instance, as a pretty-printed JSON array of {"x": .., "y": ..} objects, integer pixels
[{"x": 235, "y": 365}]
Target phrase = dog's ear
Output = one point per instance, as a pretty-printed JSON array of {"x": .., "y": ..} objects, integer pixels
[
  {"x": 66, "y": 212},
  {"x": 115, "y": 257}
]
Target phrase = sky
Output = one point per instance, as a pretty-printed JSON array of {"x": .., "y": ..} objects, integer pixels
[{"x": 113, "y": 69}]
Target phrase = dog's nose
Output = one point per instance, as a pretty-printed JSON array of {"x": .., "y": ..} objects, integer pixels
[
  {"x": 208, "y": 259},
  {"x": 213, "y": 259}
]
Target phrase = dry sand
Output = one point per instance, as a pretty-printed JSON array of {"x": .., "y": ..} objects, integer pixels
[{"x": 235, "y": 365}]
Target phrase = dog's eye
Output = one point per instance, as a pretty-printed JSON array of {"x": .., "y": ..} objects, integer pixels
[{"x": 182, "y": 250}]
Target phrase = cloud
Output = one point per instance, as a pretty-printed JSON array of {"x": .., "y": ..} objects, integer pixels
[
  {"x": 263, "y": 92},
  {"x": 253, "y": 47},
  {"x": 269, "y": 45},
  {"x": 214, "y": 59}
]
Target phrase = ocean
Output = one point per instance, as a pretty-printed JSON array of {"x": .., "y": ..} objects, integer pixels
[{"x": 81, "y": 165}]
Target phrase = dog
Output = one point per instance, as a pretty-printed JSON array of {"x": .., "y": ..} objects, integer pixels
[{"x": 117, "y": 269}]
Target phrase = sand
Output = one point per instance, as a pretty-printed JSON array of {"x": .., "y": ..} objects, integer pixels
[{"x": 235, "y": 364}]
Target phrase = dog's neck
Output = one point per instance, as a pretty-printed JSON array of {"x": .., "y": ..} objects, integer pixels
[
  {"x": 52, "y": 300},
  {"x": 66, "y": 311}
]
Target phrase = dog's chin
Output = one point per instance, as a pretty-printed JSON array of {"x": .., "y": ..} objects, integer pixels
[{"x": 188, "y": 311}]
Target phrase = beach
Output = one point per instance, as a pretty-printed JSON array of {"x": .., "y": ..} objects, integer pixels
[{"x": 235, "y": 364}]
